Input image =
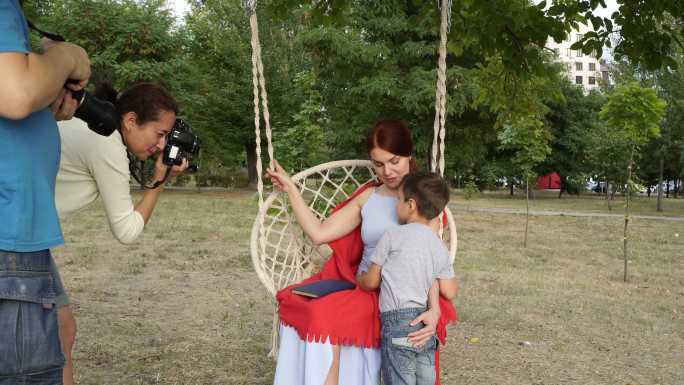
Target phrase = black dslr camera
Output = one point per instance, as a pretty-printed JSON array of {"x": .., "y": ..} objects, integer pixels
[
  {"x": 181, "y": 143},
  {"x": 100, "y": 115}
]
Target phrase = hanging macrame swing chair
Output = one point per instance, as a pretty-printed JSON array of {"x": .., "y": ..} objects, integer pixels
[{"x": 281, "y": 253}]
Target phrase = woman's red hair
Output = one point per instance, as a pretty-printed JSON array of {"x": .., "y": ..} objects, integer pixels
[{"x": 392, "y": 136}]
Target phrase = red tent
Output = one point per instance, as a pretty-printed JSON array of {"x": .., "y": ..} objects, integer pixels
[{"x": 551, "y": 181}]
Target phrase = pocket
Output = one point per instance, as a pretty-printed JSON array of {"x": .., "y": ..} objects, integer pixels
[
  {"x": 27, "y": 286},
  {"x": 39, "y": 335},
  {"x": 399, "y": 362},
  {"x": 9, "y": 355},
  {"x": 399, "y": 340},
  {"x": 29, "y": 329},
  {"x": 30, "y": 335}
]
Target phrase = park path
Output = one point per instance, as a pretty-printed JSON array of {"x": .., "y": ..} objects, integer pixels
[
  {"x": 462, "y": 207},
  {"x": 498, "y": 210}
]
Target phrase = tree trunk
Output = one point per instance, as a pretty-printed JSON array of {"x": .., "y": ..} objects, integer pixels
[
  {"x": 629, "y": 182},
  {"x": 250, "y": 150},
  {"x": 659, "y": 205},
  {"x": 527, "y": 211},
  {"x": 562, "y": 187},
  {"x": 510, "y": 185}
]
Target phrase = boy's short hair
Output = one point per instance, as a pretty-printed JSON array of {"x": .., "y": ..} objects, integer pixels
[{"x": 429, "y": 190}]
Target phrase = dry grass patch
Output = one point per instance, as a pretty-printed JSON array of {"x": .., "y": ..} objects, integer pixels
[{"x": 183, "y": 305}]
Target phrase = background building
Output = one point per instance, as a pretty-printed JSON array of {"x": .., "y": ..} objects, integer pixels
[{"x": 584, "y": 70}]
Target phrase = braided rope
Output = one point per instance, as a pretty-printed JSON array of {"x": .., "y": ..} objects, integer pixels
[
  {"x": 249, "y": 6},
  {"x": 259, "y": 89},
  {"x": 257, "y": 114},
  {"x": 264, "y": 94},
  {"x": 438, "y": 165}
]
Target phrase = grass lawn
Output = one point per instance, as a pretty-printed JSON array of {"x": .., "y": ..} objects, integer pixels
[
  {"x": 183, "y": 305},
  {"x": 587, "y": 202}
]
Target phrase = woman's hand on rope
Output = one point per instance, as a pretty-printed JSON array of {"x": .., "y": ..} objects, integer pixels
[
  {"x": 422, "y": 336},
  {"x": 280, "y": 179}
]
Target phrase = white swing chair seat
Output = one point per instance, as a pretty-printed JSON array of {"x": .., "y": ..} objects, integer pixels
[{"x": 281, "y": 253}]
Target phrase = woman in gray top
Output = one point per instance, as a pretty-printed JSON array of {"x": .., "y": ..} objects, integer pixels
[{"x": 302, "y": 362}]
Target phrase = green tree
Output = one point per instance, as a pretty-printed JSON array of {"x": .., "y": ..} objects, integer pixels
[
  {"x": 519, "y": 104},
  {"x": 633, "y": 113},
  {"x": 221, "y": 98},
  {"x": 128, "y": 41},
  {"x": 573, "y": 121},
  {"x": 303, "y": 144},
  {"x": 528, "y": 138}
]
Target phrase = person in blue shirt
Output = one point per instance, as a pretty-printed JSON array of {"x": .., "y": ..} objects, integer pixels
[{"x": 32, "y": 96}]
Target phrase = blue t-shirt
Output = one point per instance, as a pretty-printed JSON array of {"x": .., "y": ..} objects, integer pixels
[{"x": 29, "y": 160}]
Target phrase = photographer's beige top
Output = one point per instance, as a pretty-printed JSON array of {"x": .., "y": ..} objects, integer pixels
[{"x": 91, "y": 166}]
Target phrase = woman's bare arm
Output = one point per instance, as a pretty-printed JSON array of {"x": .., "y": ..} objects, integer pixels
[{"x": 335, "y": 226}]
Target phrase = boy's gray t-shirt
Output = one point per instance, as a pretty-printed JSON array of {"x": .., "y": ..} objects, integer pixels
[{"x": 411, "y": 257}]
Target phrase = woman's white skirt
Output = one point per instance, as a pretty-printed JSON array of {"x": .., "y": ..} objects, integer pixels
[{"x": 308, "y": 363}]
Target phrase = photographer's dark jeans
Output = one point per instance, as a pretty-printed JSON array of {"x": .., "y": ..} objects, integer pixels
[
  {"x": 403, "y": 364},
  {"x": 30, "y": 349}
]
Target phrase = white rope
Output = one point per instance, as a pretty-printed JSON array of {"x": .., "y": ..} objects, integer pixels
[
  {"x": 262, "y": 85},
  {"x": 438, "y": 164},
  {"x": 439, "y": 4},
  {"x": 259, "y": 89},
  {"x": 249, "y": 6},
  {"x": 257, "y": 114}
]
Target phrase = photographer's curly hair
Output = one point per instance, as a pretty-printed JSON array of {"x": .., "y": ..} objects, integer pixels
[{"x": 147, "y": 100}]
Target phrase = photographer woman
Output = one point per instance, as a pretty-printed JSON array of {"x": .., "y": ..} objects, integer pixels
[{"x": 95, "y": 166}]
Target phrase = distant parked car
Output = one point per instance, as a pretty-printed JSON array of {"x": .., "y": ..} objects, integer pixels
[{"x": 597, "y": 187}]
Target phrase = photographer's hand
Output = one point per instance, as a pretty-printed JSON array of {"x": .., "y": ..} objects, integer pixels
[
  {"x": 160, "y": 170},
  {"x": 65, "y": 106},
  {"x": 177, "y": 170},
  {"x": 150, "y": 196},
  {"x": 81, "y": 62},
  {"x": 33, "y": 81}
]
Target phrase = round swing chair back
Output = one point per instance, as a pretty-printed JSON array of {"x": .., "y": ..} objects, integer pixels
[{"x": 281, "y": 253}]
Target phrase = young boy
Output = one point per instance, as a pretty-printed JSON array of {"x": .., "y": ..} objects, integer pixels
[{"x": 406, "y": 262}]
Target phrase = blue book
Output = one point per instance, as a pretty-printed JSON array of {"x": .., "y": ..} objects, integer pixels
[{"x": 323, "y": 287}]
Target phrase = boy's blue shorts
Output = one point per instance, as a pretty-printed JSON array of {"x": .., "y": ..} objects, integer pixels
[{"x": 402, "y": 363}]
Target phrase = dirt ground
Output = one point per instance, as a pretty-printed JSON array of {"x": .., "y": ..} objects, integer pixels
[{"x": 184, "y": 306}]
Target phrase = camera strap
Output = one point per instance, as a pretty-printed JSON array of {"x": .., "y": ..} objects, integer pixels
[
  {"x": 159, "y": 182},
  {"x": 134, "y": 173}
]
